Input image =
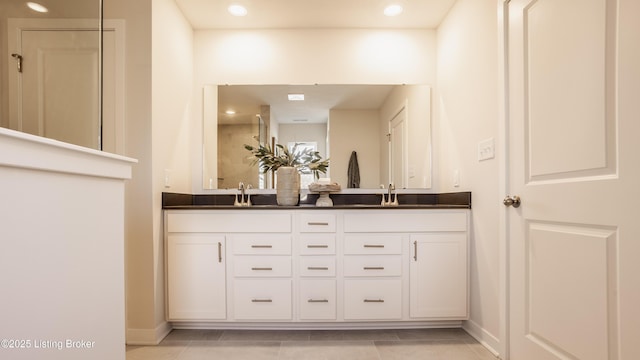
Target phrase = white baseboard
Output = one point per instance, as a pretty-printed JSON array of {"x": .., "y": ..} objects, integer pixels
[
  {"x": 148, "y": 336},
  {"x": 484, "y": 337}
]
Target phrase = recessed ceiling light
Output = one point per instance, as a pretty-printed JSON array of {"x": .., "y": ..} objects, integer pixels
[
  {"x": 296, "y": 97},
  {"x": 230, "y": 112},
  {"x": 37, "y": 7},
  {"x": 393, "y": 10},
  {"x": 237, "y": 10}
]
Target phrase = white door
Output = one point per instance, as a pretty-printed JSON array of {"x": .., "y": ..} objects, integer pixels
[
  {"x": 574, "y": 243},
  {"x": 398, "y": 154},
  {"x": 60, "y": 85},
  {"x": 57, "y": 93}
]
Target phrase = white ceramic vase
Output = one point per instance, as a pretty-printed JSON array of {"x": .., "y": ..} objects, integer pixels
[{"x": 287, "y": 186}]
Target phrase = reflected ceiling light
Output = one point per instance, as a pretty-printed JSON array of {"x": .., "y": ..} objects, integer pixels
[
  {"x": 230, "y": 112},
  {"x": 37, "y": 7},
  {"x": 237, "y": 10},
  {"x": 296, "y": 97},
  {"x": 393, "y": 10}
]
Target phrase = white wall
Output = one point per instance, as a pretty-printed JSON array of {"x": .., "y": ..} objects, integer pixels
[
  {"x": 309, "y": 56},
  {"x": 355, "y": 130},
  {"x": 157, "y": 132},
  {"x": 172, "y": 127},
  {"x": 467, "y": 106},
  {"x": 138, "y": 204}
]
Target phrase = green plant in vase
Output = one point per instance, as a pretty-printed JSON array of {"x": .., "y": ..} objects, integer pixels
[{"x": 305, "y": 160}]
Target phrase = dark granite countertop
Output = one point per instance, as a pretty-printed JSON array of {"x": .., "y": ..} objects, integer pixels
[{"x": 458, "y": 200}]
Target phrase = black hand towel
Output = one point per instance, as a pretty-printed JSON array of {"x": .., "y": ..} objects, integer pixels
[{"x": 353, "y": 172}]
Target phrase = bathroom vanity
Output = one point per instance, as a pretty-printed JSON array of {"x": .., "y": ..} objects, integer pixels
[{"x": 351, "y": 265}]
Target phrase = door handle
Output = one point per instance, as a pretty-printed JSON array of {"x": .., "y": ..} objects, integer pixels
[
  {"x": 512, "y": 201},
  {"x": 18, "y": 57}
]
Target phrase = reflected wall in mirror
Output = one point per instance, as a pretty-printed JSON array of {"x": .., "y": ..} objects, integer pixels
[
  {"x": 51, "y": 69},
  {"x": 387, "y": 126}
]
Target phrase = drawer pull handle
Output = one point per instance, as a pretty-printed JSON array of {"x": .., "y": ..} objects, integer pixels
[
  {"x": 261, "y": 300},
  {"x": 261, "y": 268},
  {"x": 318, "y": 301},
  {"x": 317, "y": 246},
  {"x": 373, "y": 300},
  {"x": 219, "y": 252},
  {"x": 317, "y": 268},
  {"x": 314, "y": 223},
  {"x": 415, "y": 251},
  {"x": 374, "y": 246},
  {"x": 374, "y": 268},
  {"x": 261, "y": 246}
]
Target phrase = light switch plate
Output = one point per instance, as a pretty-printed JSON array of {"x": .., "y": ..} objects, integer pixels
[
  {"x": 486, "y": 149},
  {"x": 167, "y": 178}
]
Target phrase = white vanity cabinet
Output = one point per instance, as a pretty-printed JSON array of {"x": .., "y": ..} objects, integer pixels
[
  {"x": 300, "y": 267},
  {"x": 196, "y": 280},
  {"x": 437, "y": 262},
  {"x": 228, "y": 265}
]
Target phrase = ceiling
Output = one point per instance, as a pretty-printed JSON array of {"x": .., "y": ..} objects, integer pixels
[
  {"x": 57, "y": 9},
  {"x": 280, "y": 14}
]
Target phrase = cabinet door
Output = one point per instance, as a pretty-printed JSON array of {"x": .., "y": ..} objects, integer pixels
[
  {"x": 438, "y": 276},
  {"x": 196, "y": 277}
]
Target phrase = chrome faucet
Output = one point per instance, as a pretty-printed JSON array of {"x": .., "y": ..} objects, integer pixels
[
  {"x": 388, "y": 201},
  {"x": 242, "y": 202}
]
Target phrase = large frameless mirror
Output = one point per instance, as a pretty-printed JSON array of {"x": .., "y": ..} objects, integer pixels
[
  {"x": 51, "y": 69},
  {"x": 387, "y": 127}
]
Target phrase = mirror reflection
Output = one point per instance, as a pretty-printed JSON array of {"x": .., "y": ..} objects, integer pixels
[
  {"x": 387, "y": 128},
  {"x": 51, "y": 65}
]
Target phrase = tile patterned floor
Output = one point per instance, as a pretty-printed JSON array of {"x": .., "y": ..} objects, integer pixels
[{"x": 423, "y": 344}]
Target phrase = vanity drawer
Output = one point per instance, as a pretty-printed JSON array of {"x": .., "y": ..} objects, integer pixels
[
  {"x": 317, "y": 223},
  {"x": 227, "y": 222},
  {"x": 317, "y": 266},
  {"x": 373, "y": 265},
  {"x": 264, "y": 299},
  {"x": 317, "y": 244},
  {"x": 406, "y": 221},
  {"x": 262, "y": 266},
  {"x": 318, "y": 299},
  {"x": 372, "y": 244},
  {"x": 261, "y": 244},
  {"x": 369, "y": 299}
]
